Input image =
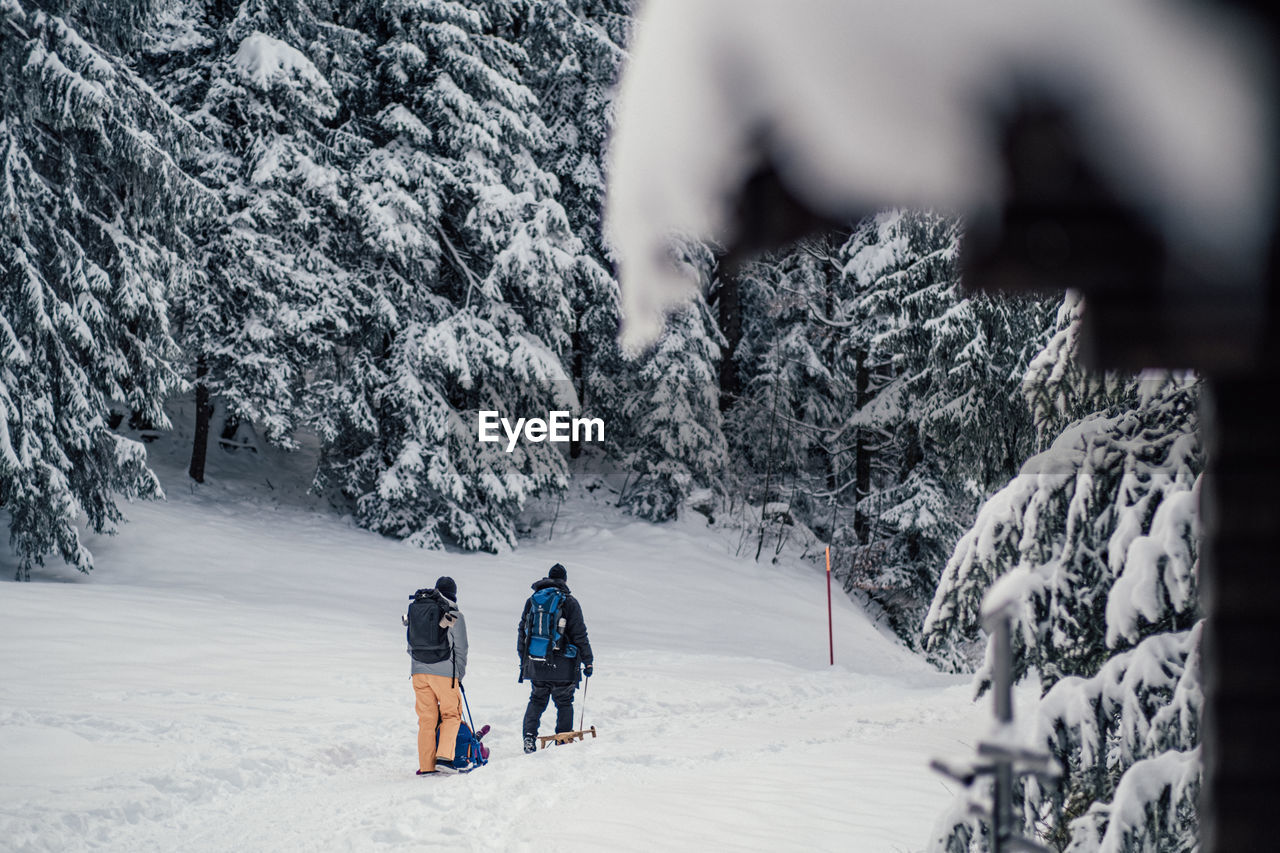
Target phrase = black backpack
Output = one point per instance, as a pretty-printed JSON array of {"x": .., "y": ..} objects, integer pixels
[{"x": 428, "y": 639}]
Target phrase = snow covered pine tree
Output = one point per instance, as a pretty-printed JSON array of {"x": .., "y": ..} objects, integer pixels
[
  {"x": 943, "y": 418},
  {"x": 882, "y": 384},
  {"x": 465, "y": 305},
  {"x": 92, "y": 206},
  {"x": 273, "y": 272},
  {"x": 1100, "y": 535},
  {"x": 674, "y": 441},
  {"x": 575, "y": 53}
]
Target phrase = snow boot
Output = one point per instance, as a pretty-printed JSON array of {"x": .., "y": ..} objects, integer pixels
[
  {"x": 530, "y": 744},
  {"x": 445, "y": 766}
]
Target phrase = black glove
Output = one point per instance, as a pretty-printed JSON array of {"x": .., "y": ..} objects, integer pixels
[{"x": 586, "y": 670}]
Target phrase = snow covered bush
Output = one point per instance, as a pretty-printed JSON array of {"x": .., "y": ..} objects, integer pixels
[
  {"x": 1104, "y": 522},
  {"x": 1128, "y": 739}
]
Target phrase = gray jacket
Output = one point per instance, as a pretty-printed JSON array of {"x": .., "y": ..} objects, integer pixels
[{"x": 458, "y": 639}]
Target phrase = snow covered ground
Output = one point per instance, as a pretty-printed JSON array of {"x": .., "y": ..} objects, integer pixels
[{"x": 233, "y": 677}]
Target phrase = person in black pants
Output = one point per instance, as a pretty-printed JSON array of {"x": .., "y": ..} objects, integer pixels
[{"x": 556, "y": 675}]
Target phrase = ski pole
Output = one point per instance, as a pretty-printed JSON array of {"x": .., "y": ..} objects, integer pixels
[{"x": 583, "y": 719}]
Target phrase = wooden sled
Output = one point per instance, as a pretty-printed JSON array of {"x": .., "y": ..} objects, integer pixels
[{"x": 565, "y": 737}]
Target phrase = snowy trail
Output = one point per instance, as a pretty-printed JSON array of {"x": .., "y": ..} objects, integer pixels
[{"x": 233, "y": 678}]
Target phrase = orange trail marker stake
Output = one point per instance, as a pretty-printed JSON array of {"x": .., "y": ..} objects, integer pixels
[{"x": 831, "y": 638}]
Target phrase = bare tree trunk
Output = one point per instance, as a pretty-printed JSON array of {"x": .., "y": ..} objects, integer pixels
[
  {"x": 861, "y": 453},
  {"x": 768, "y": 467},
  {"x": 729, "y": 306},
  {"x": 580, "y": 377},
  {"x": 204, "y": 412},
  {"x": 791, "y": 499}
]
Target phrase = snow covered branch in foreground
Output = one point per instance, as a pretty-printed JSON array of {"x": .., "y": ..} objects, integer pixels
[
  {"x": 1129, "y": 739},
  {"x": 1103, "y": 525},
  {"x": 1164, "y": 96},
  {"x": 1093, "y": 551}
]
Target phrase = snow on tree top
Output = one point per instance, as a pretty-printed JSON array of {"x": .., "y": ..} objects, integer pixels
[
  {"x": 177, "y": 32},
  {"x": 268, "y": 62}
]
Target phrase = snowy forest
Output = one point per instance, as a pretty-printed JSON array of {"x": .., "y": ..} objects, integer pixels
[{"x": 364, "y": 222}]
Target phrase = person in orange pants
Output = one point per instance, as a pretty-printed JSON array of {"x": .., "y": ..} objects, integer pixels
[
  {"x": 439, "y": 661},
  {"x": 438, "y": 703}
]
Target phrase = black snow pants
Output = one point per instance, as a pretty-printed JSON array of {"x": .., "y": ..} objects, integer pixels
[{"x": 562, "y": 693}]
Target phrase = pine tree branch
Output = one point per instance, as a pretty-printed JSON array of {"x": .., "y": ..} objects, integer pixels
[
  {"x": 25, "y": 35},
  {"x": 473, "y": 282},
  {"x": 826, "y": 321}
]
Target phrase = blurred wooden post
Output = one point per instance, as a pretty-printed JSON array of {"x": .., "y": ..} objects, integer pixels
[
  {"x": 1002, "y": 690},
  {"x": 1240, "y": 595}
]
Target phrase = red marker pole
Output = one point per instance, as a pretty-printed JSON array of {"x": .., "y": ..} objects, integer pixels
[{"x": 831, "y": 637}]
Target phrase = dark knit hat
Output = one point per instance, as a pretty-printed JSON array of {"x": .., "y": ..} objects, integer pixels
[
  {"x": 558, "y": 573},
  {"x": 446, "y": 587}
]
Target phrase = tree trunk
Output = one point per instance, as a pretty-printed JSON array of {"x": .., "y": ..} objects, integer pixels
[
  {"x": 579, "y": 377},
  {"x": 829, "y": 358},
  {"x": 862, "y": 453},
  {"x": 768, "y": 467},
  {"x": 1239, "y": 590},
  {"x": 204, "y": 412},
  {"x": 729, "y": 306}
]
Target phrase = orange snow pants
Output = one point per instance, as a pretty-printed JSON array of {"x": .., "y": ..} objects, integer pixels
[{"x": 438, "y": 701}]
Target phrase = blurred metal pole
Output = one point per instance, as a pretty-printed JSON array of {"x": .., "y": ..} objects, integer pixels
[
  {"x": 1002, "y": 688},
  {"x": 1002, "y": 758}
]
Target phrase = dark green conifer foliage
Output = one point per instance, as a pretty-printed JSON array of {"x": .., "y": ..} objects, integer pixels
[
  {"x": 465, "y": 305},
  {"x": 92, "y": 204},
  {"x": 891, "y": 399},
  {"x": 1096, "y": 542}
]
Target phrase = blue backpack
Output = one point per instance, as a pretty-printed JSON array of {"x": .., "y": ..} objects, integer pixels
[
  {"x": 542, "y": 625},
  {"x": 468, "y": 752}
]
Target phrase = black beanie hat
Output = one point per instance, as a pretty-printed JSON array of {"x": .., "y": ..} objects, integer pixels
[
  {"x": 558, "y": 573},
  {"x": 446, "y": 587}
]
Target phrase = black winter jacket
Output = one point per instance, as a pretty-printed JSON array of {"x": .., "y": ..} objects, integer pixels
[{"x": 557, "y": 668}]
